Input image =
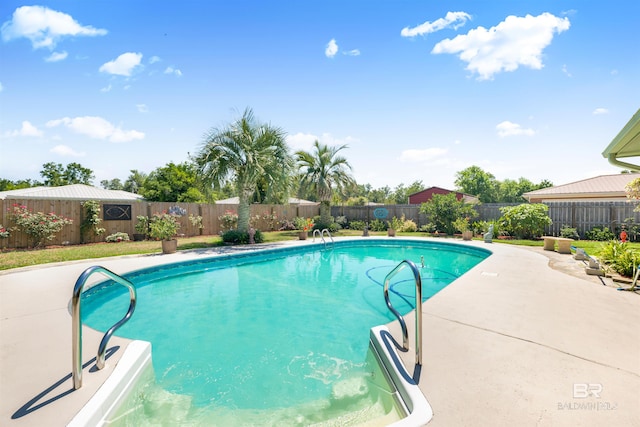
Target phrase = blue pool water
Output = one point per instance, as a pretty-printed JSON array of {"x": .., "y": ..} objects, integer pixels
[{"x": 275, "y": 329}]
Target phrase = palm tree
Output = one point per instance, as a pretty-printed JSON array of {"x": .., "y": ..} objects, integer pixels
[
  {"x": 245, "y": 152},
  {"x": 321, "y": 172}
]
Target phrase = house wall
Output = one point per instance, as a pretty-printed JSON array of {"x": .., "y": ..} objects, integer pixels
[{"x": 426, "y": 195}]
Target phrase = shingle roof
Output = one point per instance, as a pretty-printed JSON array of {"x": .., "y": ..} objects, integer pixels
[
  {"x": 610, "y": 185},
  {"x": 70, "y": 192}
]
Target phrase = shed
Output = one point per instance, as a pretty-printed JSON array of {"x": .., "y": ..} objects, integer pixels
[
  {"x": 426, "y": 195},
  {"x": 70, "y": 192}
]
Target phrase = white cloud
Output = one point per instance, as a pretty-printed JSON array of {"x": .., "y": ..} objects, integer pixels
[
  {"x": 123, "y": 65},
  {"x": 354, "y": 52},
  {"x": 66, "y": 151},
  {"x": 154, "y": 59},
  {"x": 599, "y": 111},
  {"x": 142, "y": 108},
  {"x": 418, "y": 156},
  {"x": 566, "y": 71},
  {"x": 514, "y": 42},
  {"x": 27, "y": 129},
  {"x": 171, "y": 70},
  {"x": 453, "y": 20},
  {"x": 44, "y": 27},
  {"x": 56, "y": 56},
  {"x": 331, "y": 49},
  {"x": 98, "y": 128},
  {"x": 106, "y": 89},
  {"x": 508, "y": 128}
]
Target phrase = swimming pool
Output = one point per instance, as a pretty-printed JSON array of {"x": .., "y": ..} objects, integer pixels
[{"x": 278, "y": 333}]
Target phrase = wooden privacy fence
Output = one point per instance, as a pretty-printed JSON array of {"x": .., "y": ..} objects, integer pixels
[
  {"x": 121, "y": 217},
  {"x": 580, "y": 215}
]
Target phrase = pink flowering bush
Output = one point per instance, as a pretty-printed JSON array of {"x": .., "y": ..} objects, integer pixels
[
  {"x": 39, "y": 226},
  {"x": 4, "y": 233}
]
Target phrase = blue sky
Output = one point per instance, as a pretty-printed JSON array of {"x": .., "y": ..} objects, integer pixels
[{"x": 418, "y": 90}]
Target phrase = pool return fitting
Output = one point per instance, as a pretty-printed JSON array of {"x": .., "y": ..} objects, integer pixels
[
  {"x": 403, "y": 324},
  {"x": 76, "y": 320}
]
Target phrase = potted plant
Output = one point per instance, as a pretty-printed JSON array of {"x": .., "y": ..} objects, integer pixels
[
  {"x": 304, "y": 226},
  {"x": 394, "y": 225},
  {"x": 164, "y": 227},
  {"x": 462, "y": 225},
  {"x": 141, "y": 227}
]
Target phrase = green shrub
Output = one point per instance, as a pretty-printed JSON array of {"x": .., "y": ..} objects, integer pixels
[
  {"x": 569, "y": 232},
  {"x": 525, "y": 221},
  {"x": 620, "y": 257},
  {"x": 357, "y": 225},
  {"x": 117, "y": 237},
  {"x": 342, "y": 221},
  {"x": 409, "y": 226},
  {"x": 241, "y": 238},
  {"x": 39, "y": 226},
  {"x": 91, "y": 220},
  {"x": 600, "y": 234},
  {"x": 378, "y": 225}
]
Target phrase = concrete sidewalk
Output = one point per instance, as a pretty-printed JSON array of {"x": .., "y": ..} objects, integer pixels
[{"x": 512, "y": 342}]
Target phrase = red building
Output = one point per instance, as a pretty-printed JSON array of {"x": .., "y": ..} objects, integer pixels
[{"x": 426, "y": 195}]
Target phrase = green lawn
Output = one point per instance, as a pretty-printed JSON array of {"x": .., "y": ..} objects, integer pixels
[{"x": 22, "y": 258}]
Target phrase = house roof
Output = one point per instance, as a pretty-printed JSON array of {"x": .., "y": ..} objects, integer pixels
[
  {"x": 292, "y": 201},
  {"x": 625, "y": 144},
  {"x": 70, "y": 192},
  {"x": 598, "y": 187}
]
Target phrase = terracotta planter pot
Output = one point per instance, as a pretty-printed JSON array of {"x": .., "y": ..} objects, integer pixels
[
  {"x": 467, "y": 235},
  {"x": 303, "y": 235},
  {"x": 169, "y": 246},
  {"x": 391, "y": 232}
]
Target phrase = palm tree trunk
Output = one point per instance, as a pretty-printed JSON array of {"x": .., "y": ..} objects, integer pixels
[
  {"x": 244, "y": 210},
  {"x": 325, "y": 213}
]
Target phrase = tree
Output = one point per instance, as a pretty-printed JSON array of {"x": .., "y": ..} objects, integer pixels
[
  {"x": 135, "y": 181},
  {"x": 56, "y": 175},
  {"x": 173, "y": 183},
  {"x": 473, "y": 180},
  {"x": 245, "y": 152},
  {"x": 113, "y": 184},
  {"x": 6, "y": 184},
  {"x": 401, "y": 194},
  {"x": 322, "y": 171},
  {"x": 443, "y": 209}
]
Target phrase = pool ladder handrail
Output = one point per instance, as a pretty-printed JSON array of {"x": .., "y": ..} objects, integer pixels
[
  {"x": 321, "y": 233},
  {"x": 76, "y": 320},
  {"x": 403, "y": 324}
]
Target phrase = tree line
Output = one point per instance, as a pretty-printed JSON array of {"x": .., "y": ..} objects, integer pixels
[{"x": 250, "y": 159}]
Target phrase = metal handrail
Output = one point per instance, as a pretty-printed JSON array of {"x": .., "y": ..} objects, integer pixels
[
  {"x": 76, "y": 320},
  {"x": 403, "y": 324},
  {"x": 319, "y": 233},
  {"x": 328, "y": 234}
]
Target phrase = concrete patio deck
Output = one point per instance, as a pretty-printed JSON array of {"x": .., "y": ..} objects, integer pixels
[{"x": 512, "y": 342}]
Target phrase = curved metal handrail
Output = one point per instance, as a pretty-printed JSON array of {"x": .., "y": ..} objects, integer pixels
[
  {"x": 403, "y": 324},
  {"x": 319, "y": 233},
  {"x": 328, "y": 234},
  {"x": 76, "y": 320}
]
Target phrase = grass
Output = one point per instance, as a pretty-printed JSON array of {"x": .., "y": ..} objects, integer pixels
[{"x": 16, "y": 258}]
